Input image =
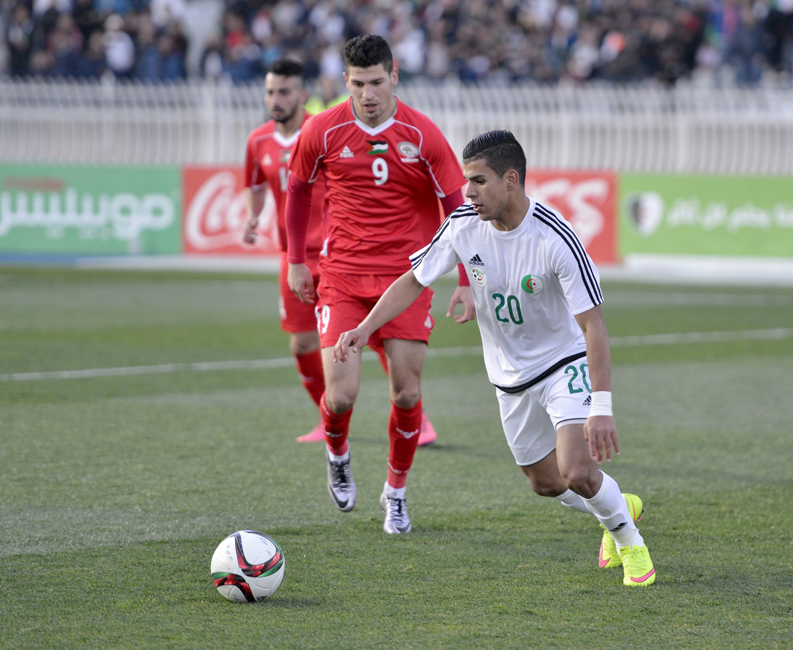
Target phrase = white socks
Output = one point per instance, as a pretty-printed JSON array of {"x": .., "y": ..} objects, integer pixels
[
  {"x": 339, "y": 459},
  {"x": 394, "y": 493},
  {"x": 609, "y": 506},
  {"x": 572, "y": 500}
]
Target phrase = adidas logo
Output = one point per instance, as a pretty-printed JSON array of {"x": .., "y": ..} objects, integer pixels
[
  {"x": 476, "y": 260},
  {"x": 346, "y": 153},
  {"x": 588, "y": 401}
]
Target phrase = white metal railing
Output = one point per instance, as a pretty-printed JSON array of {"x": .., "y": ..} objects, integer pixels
[{"x": 629, "y": 129}]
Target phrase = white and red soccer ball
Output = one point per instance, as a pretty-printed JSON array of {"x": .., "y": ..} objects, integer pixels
[{"x": 248, "y": 566}]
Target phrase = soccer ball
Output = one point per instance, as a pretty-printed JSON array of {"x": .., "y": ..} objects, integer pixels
[{"x": 248, "y": 566}]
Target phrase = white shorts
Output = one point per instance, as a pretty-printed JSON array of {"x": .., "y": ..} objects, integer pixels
[{"x": 530, "y": 418}]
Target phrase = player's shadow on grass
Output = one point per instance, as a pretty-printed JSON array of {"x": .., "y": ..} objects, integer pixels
[
  {"x": 446, "y": 445},
  {"x": 294, "y": 603}
]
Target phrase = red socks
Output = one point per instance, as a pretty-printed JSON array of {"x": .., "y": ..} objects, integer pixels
[
  {"x": 310, "y": 368},
  {"x": 337, "y": 428},
  {"x": 404, "y": 426}
]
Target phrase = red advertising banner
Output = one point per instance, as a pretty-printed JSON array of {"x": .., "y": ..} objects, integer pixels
[
  {"x": 214, "y": 210},
  {"x": 214, "y": 214},
  {"x": 587, "y": 200}
]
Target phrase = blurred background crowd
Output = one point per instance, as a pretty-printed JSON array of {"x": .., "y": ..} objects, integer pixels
[{"x": 738, "y": 41}]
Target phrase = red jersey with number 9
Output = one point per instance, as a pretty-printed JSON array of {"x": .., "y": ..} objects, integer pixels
[
  {"x": 383, "y": 185},
  {"x": 267, "y": 163}
]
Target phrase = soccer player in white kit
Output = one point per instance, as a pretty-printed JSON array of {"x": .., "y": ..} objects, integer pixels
[{"x": 546, "y": 348}]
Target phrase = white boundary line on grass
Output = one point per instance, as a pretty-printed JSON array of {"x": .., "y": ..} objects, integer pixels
[{"x": 266, "y": 364}]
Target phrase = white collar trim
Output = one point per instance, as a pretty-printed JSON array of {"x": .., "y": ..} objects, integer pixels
[
  {"x": 377, "y": 129},
  {"x": 285, "y": 142}
]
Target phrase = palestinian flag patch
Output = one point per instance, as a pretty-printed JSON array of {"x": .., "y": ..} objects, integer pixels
[{"x": 377, "y": 147}]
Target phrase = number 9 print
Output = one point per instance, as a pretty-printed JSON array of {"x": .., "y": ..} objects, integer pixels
[{"x": 380, "y": 171}]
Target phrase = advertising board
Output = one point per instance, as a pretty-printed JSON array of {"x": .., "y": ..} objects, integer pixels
[
  {"x": 214, "y": 214},
  {"x": 740, "y": 216},
  {"x": 89, "y": 210},
  {"x": 587, "y": 200}
]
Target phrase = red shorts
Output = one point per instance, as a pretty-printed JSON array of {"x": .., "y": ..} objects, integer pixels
[
  {"x": 296, "y": 316},
  {"x": 345, "y": 300}
]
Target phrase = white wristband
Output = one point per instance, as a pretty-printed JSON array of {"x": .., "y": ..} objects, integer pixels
[{"x": 601, "y": 403}]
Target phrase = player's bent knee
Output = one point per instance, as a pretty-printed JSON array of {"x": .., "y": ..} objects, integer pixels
[
  {"x": 543, "y": 483},
  {"x": 299, "y": 349},
  {"x": 406, "y": 398},
  {"x": 547, "y": 490},
  {"x": 339, "y": 402},
  {"x": 300, "y": 345},
  {"x": 579, "y": 479}
]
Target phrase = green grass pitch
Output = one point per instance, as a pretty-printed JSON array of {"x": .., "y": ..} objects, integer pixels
[{"x": 115, "y": 490}]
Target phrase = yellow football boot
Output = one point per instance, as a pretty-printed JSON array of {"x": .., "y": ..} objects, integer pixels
[
  {"x": 639, "y": 570},
  {"x": 608, "y": 558}
]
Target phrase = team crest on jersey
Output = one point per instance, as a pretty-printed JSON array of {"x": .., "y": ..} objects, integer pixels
[
  {"x": 531, "y": 284},
  {"x": 409, "y": 151},
  {"x": 479, "y": 276},
  {"x": 285, "y": 156},
  {"x": 377, "y": 147}
]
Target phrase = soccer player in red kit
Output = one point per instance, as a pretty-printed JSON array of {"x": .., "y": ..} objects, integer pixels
[
  {"x": 266, "y": 165},
  {"x": 388, "y": 172}
]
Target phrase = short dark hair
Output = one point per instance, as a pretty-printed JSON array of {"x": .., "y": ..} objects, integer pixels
[
  {"x": 367, "y": 50},
  {"x": 501, "y": 152},
  {"x": 286, "y": 68}
]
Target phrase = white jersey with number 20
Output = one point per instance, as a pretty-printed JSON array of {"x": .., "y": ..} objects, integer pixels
[{"x": 527, "y": 283}]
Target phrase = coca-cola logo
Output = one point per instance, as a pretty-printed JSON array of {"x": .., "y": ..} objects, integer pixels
[{"x": 215, "y": 217}]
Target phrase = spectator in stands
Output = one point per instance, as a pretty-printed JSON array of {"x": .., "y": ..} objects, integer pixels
[
  {"x": 211, "y": 66},
  {"x": 171, "y": 50},
  {"x": 87, "y": 18},
  {"x": 329, "y": 95},
  {"x": 20, "y": 40},
  {"x": 65, "y": 43},
  {"x": 779, "y": 32},
  {"x": 119, "y": 48},
  {"x": 91, "y": 64},
  {"x": 148, "y": 63},
  {"x": 240, "y": 54},
  {"x": 746, "y": 53}
]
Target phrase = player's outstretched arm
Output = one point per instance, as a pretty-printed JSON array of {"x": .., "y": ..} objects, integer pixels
[
  {"x": 600, "y": 429},
  {"x": 396, "y": 299}
]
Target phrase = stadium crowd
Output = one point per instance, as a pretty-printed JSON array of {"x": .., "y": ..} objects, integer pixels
[{"x": 473, "y": 40}]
